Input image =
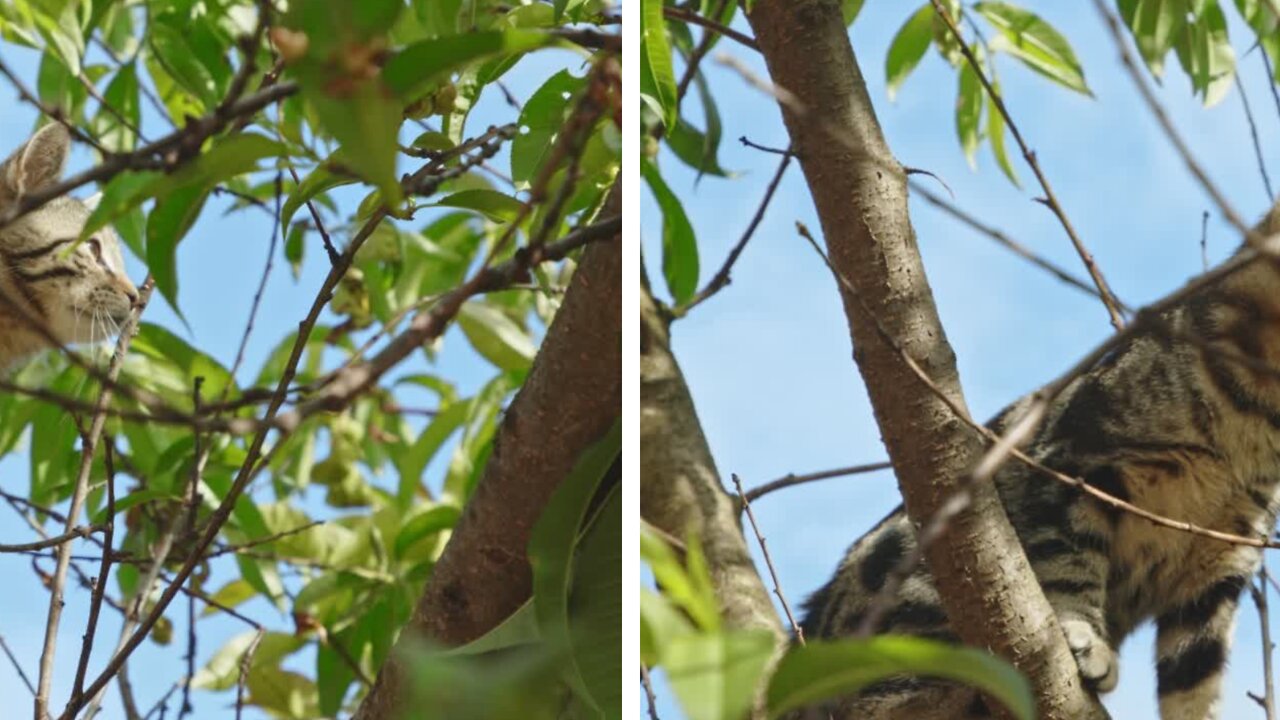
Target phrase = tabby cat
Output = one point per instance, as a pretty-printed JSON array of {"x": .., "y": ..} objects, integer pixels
[
  {"x": 1166, "y": 422},
  {"x": 76, "y": 293}
]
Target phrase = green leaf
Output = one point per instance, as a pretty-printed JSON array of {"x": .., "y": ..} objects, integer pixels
[
  {"x": 317, "y": 181},
  {"x": 168, "y": 223},
  {"x": 230, "y": 595},
  {"x": 850, "y": 9},
  {"x": 171, "y": 47},
  {"x": 715, "y": 675},
  {"x": 494, "y": 205},
  {"x": 693, "y": 594},
  {"x": 122, "y": 96},
  {"x": 679, "y": 247},
  {"x": 823, "y": 670},
  {"x": 1155, "y": 25},
  {"x": 555, "y": 537},
  {"x": 540, "y": 122},
  {"x": 366, "y": 121},
  {"x": 431, "y": 522},
  {"x": 595, "y": 617},
  {"x": 908, "y": 47},
  {"x": 1036, "y": 43},
  {"x": 496, "y": 336},
  {"x": 657, "y": 75},
  {"x": 969, "y": 112},
  {"x": 1205, "y": 53},
  {"x": 995, "y": 134},
  {"x": 695, "y": 148},
  {"x": 122, "y": 194},
  {"x": 422, "y": 65}
]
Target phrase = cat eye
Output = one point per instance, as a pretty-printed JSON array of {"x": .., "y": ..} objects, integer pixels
[{"x": 95, "y": 247}]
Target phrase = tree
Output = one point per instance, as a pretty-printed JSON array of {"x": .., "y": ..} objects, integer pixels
[
  {"x": 242, "y": 506},
  {"x": 830, "y": 103}
]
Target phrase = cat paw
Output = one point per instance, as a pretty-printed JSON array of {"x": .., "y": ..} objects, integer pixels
[{"x": 1094, "y": 656}]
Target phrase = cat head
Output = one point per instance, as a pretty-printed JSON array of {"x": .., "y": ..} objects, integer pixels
[{"x": 80, "y": 292}]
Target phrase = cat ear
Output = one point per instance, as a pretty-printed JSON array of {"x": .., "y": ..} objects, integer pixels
[
  {"x": 38, "y": 163},
  {"x": 91, "y": 203}
]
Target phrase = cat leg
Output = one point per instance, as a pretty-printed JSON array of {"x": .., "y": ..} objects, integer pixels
[{"x": 1192, "y": 641}]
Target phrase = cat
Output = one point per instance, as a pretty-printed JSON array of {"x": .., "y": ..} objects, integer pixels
[
  {"x": 53, "y": 290},
  {"x": 1168, "y": 422}
]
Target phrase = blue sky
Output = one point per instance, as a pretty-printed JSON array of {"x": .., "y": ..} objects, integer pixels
[
  {"x": 769, "y": 360},
  {"x": 219, "y": 266}
]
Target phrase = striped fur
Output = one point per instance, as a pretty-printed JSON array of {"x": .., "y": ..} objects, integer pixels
[
  {"x": 1168, "y": 422},
  {"x": 50, "y": 286}
]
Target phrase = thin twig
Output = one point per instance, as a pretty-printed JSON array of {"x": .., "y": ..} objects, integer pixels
[
  {"x": 80, "y": 491},
  {"x": 721, "y": 278},
  {"x": 1007, "y": 445},
  {"x": 1007, "y": 242},
  {"x": 792, "y": 479},
  {"x": 768, "y": 561},
  {"x": 17, "y": 666},
  {"x": 693, "y": 18},
  {"x": 648, "y": 692},
  {"x": 1259, "y": 592},
  {"x": 104, "y": 570},
  {"x": 1253, "y": 135},
  {"x": 1050, "y": 199}
]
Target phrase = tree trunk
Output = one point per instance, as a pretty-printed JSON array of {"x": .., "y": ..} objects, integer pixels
[
  {"x": 860, "y": 191},
  {"x": 680, "y": 490},
  {"x": 571, "y": 398}
]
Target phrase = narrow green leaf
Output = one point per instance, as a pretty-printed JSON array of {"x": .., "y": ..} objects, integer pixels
[
  {"x": 496, "y": 336},
  {"x": 655, "y": 54},
  {"x": 995, "y": 134},
  {"x": 969, "y": 112},
  {"x": 715, "y": 675},
  {"x": 679, "y": 246},
  {"x": 494, "y": 205},
  {"x": 823, "y": 670},
  {"x": 421, "y": 65},
  {"x": 168, "y": 223},
  {"x": 555, "y": 537},
  {"x": 540, "y": 120},
  {"x": 908, "y": 47},
  {"x": 431, "y": 522},
  {"x": 1035, "y": 42}
]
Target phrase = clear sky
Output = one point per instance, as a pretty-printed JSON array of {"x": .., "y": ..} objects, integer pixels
[
  {"x": 219, "y": 266},
  {"x": 769, "y": 359}
]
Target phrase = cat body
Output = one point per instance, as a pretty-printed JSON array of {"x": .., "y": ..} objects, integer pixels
[
  {"x": 53, "y": 290},
  {"x": 1167, "y": 422}
]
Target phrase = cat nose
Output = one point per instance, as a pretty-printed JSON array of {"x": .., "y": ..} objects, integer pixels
[{"x": 132, "y": 295}]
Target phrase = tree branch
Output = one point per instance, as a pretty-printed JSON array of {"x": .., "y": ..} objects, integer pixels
[{"x": 986, "y": 584}]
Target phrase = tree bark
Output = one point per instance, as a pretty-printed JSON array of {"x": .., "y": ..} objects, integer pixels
[
  {"x": 860, "y": 191},
  {"x": 570, "y": 399},
  {"x": 680, "y": 490}
]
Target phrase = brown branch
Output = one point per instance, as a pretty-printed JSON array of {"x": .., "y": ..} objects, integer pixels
[
  {"x": 1050, "y": 199},
  {"x": 72, "y": 534},
  {"x": 79, "y": 492},
  {"x": 860, "y": 193},
  {"x": 721, "y": 279},
  {"x": 792, "y": 479},
  {"x": 167, "y": 152},
  {"x": 768, "y": 560},
  {"x": 693, "y": 18},
  {"x": 570, "y": 398}
]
